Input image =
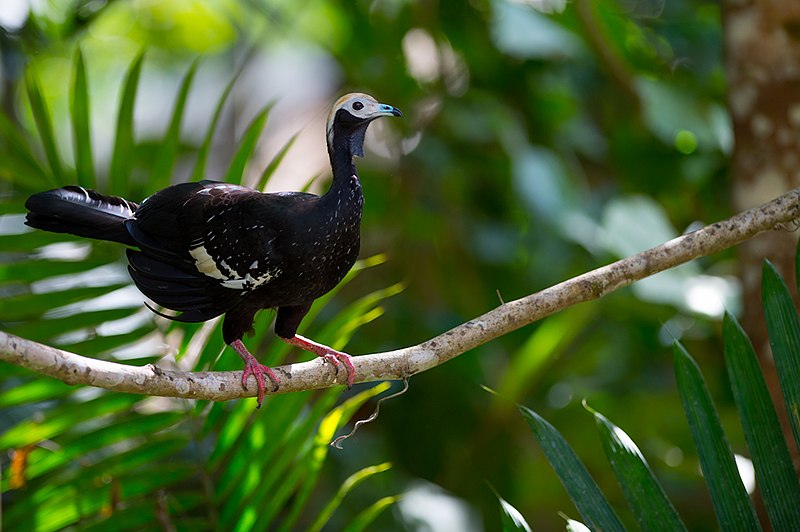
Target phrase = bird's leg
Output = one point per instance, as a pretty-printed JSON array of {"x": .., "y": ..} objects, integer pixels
[
  {"x": 331, "y": 355},
  {"x": 251, "y": 365}
]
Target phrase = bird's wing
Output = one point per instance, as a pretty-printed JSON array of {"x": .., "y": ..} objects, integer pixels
[
  {"x": 205, "y": 246},
  {"x": 234, "y": 241}
]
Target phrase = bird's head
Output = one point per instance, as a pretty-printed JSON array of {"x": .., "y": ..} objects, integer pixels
[{"x": 349, "y": 118}]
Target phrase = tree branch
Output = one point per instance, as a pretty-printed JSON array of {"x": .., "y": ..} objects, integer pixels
[{"x": 316, "y": 374}]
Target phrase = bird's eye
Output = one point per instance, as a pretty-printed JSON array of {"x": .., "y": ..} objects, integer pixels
[{"x": 357, "y": 106}]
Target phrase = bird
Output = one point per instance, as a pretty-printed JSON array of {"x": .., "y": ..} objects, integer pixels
[{"x": 208, "y": 248}]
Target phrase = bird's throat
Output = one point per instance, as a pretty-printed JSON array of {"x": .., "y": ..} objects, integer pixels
[{"x": 345, "y": 176}]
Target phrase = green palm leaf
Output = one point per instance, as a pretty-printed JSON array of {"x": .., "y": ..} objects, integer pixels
[
  {"x": 273, "y": 164},
  {"x": 198, "y": 174},
  {"x": 363, "y": 520},
  {"x": 81, "y": 135},
  {"x": 20, "y": 166},
  {"x": 582, "y": 489},
  {"x": 773, "y": 465},
  {"x": 783, "y": 325},
  {"x": 165, "y": 160},
  {"x": 731, "y": 503},
  {"x": 42, "y": 117},
  {"x": 348, "y": 485},
  {"x": 122, "y": 158},
  {"x": 644, "y": 494},
  {"x": 235, "y": 173}
]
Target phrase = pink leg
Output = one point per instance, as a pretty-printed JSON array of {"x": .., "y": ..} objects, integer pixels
[
  {"x": 331, "y": 355},
  {"x": 251, "y": 365}
]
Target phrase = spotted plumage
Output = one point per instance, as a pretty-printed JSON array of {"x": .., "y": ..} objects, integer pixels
[{"x": 209, "y": 248}]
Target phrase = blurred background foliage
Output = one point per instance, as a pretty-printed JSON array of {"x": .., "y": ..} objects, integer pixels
[{"x": 542, "y": 139}]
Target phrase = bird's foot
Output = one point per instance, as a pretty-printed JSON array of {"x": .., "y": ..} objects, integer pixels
[
  {"x": 327, "y": 353},
  {"x": 334, "y": 357},
  {"x": 253, "y": 367}
]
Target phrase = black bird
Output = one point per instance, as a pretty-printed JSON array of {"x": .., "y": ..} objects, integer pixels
[{"x": 210, "y": 248}]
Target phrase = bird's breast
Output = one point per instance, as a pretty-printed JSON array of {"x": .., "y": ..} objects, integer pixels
[
  {"x": 330, "y": 252},
  {"x": 316, "y": 257}
]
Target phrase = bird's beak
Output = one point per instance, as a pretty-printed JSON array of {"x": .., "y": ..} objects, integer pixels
[{"x": 388, "y": 110}]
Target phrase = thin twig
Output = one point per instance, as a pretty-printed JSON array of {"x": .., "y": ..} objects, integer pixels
[{"x": 402, "y": 363}]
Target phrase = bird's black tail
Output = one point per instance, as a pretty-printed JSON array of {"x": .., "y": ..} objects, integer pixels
[{"x": 81, "y": 212}]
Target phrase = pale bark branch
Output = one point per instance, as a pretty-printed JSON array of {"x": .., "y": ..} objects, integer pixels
[{"x": 316, "y": 374}]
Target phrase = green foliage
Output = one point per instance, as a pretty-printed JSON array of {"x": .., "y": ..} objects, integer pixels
[
  {"x": 165, "y": 160},
  {"x": 584, "y": 492},
  {"x": 198, "y": 174},
  {"x": 44, "y": 123},
  {"x": 731, "y": 502},
  {"x": 248, "y": 143},
  {"x": 351, "y": 482},
  {"x": 541, "y": 140},
  {"x": 773, "y": 464},
  {"x": 79, "y": 111},
  {"x": 643, "y": 493},
  {"x": 122, "y": 161},
  {"x": 510, "y": 518},
  {"x": 784, "y": 334},
  {"x": 774, "y": 471}
]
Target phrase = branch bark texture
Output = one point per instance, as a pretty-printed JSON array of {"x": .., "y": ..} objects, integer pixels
[{"x": 392, "y": 365}]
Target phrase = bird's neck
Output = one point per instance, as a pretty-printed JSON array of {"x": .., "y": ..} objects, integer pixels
[{"x": 345, "y": 177}]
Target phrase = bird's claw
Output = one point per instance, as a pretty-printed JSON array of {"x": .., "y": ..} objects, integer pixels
[
  {"x": 251, "y": 366},
  {"x": 336, "y": 357},
  {"x": 258, "y": 371},
  {"x": 326, "y": 353}
]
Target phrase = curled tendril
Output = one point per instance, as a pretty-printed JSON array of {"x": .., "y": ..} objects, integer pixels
[{"x": 338, "y": 441}]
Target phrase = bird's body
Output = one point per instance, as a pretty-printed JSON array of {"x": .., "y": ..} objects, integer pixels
[{"x": 206, "y": 249}]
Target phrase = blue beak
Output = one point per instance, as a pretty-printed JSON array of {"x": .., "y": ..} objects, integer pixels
[{"x": 389, "y": 110}]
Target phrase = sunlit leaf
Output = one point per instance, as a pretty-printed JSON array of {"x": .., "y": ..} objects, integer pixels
[
  {"x": 48, "y": 329},
  {"x": 276, "y": 484},
  {"x": 34, "y": 391},
  {"x": 33, "y": 431},
  {"x": 511, "y": 518},
  {"x": 79, "y": 444},
  {"x": 339, "y": 330},
  {"x": 575, "y": 526},
  {"x": 350, "y": 482},
  {"x": 30, "y": 306},
  {"x": 644, "y": 494},
  {"x": 363, "y": 520},
  {"x": 315, "y": 451}
]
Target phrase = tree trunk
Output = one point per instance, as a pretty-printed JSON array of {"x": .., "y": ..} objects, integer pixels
[{"x": 762, "y": 47}]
